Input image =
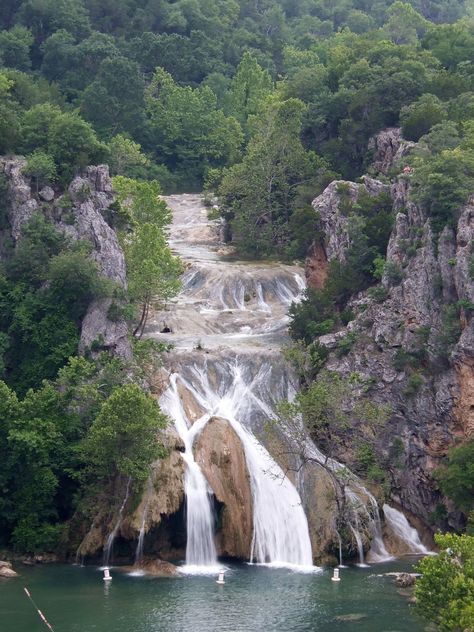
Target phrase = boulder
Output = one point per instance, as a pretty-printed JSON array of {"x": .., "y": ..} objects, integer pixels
[
  {"x": 220, "y": 455},
  {"x": 6, "y": 570},
  {"x": 47, "y": 194}
]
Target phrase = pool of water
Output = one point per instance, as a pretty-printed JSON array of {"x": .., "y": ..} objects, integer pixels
[{"x": 76, "y": 599}]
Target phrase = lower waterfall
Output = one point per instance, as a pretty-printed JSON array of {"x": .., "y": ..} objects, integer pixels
[{"x": 200, "y": 548}]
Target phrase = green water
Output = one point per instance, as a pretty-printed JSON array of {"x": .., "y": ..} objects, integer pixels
[{"x": 76, "y": 599}]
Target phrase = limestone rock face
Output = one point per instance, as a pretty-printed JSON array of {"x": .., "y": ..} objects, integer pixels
[
  {"x": 21, "y": 205},
  {"x": 335, "y": 224},
  {"x": 161, "y": 498},
  {"x": 432, "y": 401},
  {"x": 388, "y": 148},
  {"x": 80, "y": 215},
  {"x": 220, "y": 455}
]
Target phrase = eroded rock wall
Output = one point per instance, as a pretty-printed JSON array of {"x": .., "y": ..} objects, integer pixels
[
  {"x": 432, "y": 403},
  {"x": 80, "y": 214}
]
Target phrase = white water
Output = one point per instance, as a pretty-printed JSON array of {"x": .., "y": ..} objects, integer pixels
[
  {"x": 239, "y": 310},
  {"x": 401, "y": 528},
  {"x": 110, "y": 540}
]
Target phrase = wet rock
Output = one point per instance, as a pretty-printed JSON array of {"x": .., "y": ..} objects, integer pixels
[
  {"x": 350, "y": 617},
  {"x": 220, "y": 454},
  {"x": 405, "y": 580},
  {"x": 159, "y": 568}
]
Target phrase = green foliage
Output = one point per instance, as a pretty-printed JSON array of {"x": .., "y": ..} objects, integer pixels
[
  {"x": 371, "y": 220},
  {"x": 260, "y": 195},
  {"x": 187, "y": 130},
  {"x": 443, "y": 183},
  {"x": 153, "y": 272},
  {"x": 456, "y": 478},
  {"x": 419, "y": 117},
  {"x": 345, "y": 344},
  {"x": 44, "y": 296},
  {"x": 331, "y": 408},
  {"x": 15, "y": 47},
  {"x": 415, "y": 382},
  {"x": 41, "y": 168},
  {"x": 123, "y": 439},
  {"x": 125, "y": 156},
  {"x": 445, "y": 591}
]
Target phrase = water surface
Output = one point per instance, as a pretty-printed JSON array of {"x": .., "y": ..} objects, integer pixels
[{"x": 254, "y": 598}]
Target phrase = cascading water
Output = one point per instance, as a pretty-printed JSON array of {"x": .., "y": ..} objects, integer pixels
[
  {"x": 280, "y": 527},
  {"x": 401, "y": 528},
  {"x": 110, "y": 540},
  {"x": 227, "y": 327},
  {"x": 233, "y": 308}
]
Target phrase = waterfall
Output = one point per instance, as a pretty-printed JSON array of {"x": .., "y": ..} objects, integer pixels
[
  {"x": 110, "y": 540},
  {"x": 141, "y": 535},
  {"x": 200, "y": 548},
  {"x": 281, "y": 535},
  {"x": 238, "y": 313},
  {"x": 402, "y": 530}
]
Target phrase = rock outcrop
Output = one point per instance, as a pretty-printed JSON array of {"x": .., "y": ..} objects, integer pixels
[
  {"x": 220, "y": 455},
  {"x": 7, "y": 571},
  {"x": 79, "y": 214},
  {"x": 399, "y": 335},
  {"x": 335, "y": 225}
]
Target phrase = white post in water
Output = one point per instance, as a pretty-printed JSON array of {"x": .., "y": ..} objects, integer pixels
[
  {"x": 335, "y": 577},
  {"x": 220, "y": 579},
  {"x": 107, "y": 576}
]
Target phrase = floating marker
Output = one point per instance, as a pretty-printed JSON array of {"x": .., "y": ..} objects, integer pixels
[
  {"x": 220, "y": 579},
  {"x": 107, "y": 576},
  {"x": 335, "y": 577}
]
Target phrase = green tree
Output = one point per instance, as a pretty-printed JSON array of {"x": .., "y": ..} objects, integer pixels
[
  {"x": 187, "y": 130},
  {"x": 456, "y": 477},
  {"x": 152, "y": 270},
  {"x": 445, "y": 591},
  {"x": 113, "y": 103},
  {"x": 15, "y": 47},
  {"x": 405, "y": 25},
  {"x": 124, "y": 437},
  {"x": 261, "y": 193},
  {"x": 418, "y": 118},
  {"x": 41, "y": 168},
  {"x": 443, "y": 183},
  {"x": 125, "y": 154},
  {"x": 250, "y": 86}
]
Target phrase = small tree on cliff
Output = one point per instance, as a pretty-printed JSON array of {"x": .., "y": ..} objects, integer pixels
[
  {"x": 327, "y": 410},
  {"x": 152, "y": 270}
]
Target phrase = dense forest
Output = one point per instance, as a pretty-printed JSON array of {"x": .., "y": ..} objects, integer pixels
[{"x": 261, "y": 103}]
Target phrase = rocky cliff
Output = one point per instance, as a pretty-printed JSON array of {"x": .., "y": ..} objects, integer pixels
[
  {"x": 401, "y": 348},
  {"x": 79, "y": 213}
]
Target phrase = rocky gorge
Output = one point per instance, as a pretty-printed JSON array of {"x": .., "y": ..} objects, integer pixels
[{"x": 256, "y": 496}]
